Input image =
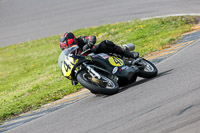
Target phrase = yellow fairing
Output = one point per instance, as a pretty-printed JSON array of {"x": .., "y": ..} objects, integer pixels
[
  {"x": 115, "y": 61},
  {"x": 67, "y": 66}
]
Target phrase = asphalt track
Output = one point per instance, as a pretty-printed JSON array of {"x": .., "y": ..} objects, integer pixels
[
  {"x": 25, "y": 20},
  {"x": 168, "y": 103}
]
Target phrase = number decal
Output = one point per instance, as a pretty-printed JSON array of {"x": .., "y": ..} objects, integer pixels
[
  {"x": 115, "y": 61},
  {"x": 67, "y": 66}
]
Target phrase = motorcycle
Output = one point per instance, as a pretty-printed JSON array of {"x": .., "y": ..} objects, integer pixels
[{"x": 104, "y": 73}]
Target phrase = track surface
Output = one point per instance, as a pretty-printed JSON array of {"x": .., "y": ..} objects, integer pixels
[
  {"x": 24, "y": 20},
  {"x": 168, "y": 103}
]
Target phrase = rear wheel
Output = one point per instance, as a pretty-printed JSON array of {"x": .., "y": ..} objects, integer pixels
[
  {"x": 105, "y": 85},
  {"x": 148, "y": 70}
]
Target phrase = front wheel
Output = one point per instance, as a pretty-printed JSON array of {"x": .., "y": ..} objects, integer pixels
[
  {"x": 148, "y": 70},
  {"x": 105, "y": 85}
]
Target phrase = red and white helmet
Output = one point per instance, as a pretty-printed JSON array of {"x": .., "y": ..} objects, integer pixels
[{"x": 67, "y": 40}]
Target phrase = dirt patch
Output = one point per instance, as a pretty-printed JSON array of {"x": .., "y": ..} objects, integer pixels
[{"x": 196, "y": 27}]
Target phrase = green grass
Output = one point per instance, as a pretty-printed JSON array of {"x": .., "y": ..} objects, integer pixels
[{"x": 29, "y": 74}]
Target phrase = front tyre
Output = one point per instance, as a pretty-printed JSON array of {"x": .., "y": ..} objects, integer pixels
[
  {"x": 148, "y": 70},
  {"x": 105, "y": 85}
]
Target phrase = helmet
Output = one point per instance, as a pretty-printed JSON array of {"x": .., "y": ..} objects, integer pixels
[{"x": 67, "y": 40}]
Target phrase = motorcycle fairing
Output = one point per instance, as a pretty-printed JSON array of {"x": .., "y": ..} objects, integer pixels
[
  {"x": 68, "y": 65},
  {"x": 110, "y": 65}
]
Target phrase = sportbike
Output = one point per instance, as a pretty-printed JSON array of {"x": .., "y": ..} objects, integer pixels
[{"x": 104, "y": 73}]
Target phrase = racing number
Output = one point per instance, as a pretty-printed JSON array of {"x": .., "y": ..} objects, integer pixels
[
  {"x": 67, "y": 67},
  {"x": 117, "y": 61}
]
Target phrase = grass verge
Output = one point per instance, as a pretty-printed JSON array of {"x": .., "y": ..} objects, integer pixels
[{"x": 29, "y": 74}]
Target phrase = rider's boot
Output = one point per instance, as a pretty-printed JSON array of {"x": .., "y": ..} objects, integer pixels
[
  {"x": 129, "y": 54},
  {"x": 126, "y": 53}
]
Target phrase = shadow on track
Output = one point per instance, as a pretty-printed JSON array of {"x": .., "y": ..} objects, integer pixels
[
  {"x": 138, "y": 83},
  {"x": 145, "y": 80}
]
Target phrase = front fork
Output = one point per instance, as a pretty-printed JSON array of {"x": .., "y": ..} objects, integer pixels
[{"x": 92, "y": 72}]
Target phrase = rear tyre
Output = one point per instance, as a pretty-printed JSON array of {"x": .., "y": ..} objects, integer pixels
[
  {"x": 149, "y": 70},
  {"x": 105, "y": 85}
]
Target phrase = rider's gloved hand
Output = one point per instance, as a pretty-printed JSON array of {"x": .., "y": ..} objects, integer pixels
[{"x": 88, "y": 46}]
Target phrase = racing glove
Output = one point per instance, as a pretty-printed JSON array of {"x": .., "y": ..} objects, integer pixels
[{"x": 88, "y": 46}]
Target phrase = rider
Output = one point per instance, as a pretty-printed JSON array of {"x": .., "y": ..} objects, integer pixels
[
  {"x": 84, "y": 42},
  {"x": 68, "y": 39}
]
